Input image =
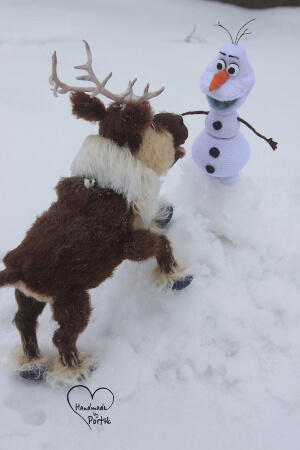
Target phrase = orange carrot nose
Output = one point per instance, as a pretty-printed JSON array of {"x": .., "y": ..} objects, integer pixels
[{"x": 218, "y": 79}]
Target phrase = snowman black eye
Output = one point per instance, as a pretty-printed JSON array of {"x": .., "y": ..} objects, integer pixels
[
  {"x": 221, "y": 64},
  {"x": 233, "y": 70}
]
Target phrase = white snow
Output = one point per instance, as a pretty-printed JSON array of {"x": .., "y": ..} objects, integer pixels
[{"x": 215, "y": 366}]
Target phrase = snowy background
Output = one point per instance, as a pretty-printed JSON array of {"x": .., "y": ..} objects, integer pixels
[{"x": 216, "y": 366}]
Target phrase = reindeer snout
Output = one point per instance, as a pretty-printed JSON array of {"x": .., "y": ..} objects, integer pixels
[{"x": 174, "y": 124}]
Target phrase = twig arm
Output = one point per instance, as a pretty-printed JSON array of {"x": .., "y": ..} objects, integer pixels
[
  {"x": 194, "y": 112},
  {"x": 270, "y": 141}
]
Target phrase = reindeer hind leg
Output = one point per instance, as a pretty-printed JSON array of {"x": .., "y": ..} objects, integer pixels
[
  {"x": 72, "y": 312},
  {"x": 32, "y": 364}
]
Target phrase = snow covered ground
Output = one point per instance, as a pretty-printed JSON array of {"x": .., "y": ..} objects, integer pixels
[{"x": 216, "y": 366}]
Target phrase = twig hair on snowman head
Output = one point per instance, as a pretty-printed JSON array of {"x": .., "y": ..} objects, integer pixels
[{"x": 237, "y": 38}]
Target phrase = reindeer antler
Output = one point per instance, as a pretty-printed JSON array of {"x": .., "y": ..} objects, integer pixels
[
  {"x": 143, "y": 98},
  {"x": 125, "y": 97}
]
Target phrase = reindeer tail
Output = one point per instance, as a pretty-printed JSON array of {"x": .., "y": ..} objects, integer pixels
[{"x": 8, "y": 277}]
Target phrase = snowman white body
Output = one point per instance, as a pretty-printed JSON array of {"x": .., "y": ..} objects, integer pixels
[{"x": 221, "y": 150}]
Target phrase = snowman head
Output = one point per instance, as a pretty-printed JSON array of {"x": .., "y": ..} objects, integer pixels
[{"x": 228, "y": 79}]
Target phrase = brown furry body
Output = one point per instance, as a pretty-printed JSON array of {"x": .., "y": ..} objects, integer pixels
[
  {"x": 86, "y": 234},
  {"x": 77, "y": 243}
]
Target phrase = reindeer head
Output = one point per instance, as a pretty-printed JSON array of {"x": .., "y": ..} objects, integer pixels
[{"x": 129, "y": 121}]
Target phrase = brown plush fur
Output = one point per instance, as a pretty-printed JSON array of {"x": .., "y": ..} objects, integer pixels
[
  {"x": 26, "y": 322},
  {"x": 86, "y": 107},
  {"x": 125, "y": 124},
  {"x": 87, "y": 233},
  {"x": 71, "y": 248},
  {"x": 172, "y": 123},
  {"x": 122, "y": 123},
  {"x": 90, "y": 222}
]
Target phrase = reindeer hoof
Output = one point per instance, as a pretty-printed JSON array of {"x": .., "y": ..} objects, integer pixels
[
  {"x": 36, "y": 373},
  {"x": 182, "y": 283},
  {"x": 168, "y": 213}
]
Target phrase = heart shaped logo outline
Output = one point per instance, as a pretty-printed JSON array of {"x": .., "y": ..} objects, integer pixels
[{"x": 92, "y": 395}]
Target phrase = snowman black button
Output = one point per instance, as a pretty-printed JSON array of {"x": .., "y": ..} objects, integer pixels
[
  {"x": 214, "y": 152},
  {"x": 217, "y": 125},
  {"x": 210, "y": 169}
]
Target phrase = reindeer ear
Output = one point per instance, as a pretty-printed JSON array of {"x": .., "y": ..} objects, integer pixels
[{"x": 86, "y": 107}]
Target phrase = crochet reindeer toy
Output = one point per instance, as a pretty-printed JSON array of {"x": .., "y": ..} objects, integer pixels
[{"x": 104, "y": 214}]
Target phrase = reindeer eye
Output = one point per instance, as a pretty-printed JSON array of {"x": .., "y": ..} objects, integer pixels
[
  {"x": 221, "y": 64},
  {"x": 233, "y": 70}
]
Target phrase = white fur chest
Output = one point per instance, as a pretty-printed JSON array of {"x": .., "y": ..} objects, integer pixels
[{"x": 115, "y": 167}]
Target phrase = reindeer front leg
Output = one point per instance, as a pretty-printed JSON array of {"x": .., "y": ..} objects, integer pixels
[
  {"x": 144, "y": 244},
  {"x": 163, "y": 216}
]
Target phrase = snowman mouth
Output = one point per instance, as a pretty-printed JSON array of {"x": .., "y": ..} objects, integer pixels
[{"x": 217, "y": 104}]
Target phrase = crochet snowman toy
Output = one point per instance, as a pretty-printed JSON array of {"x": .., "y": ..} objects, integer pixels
[{"x": 221, "y": 150}]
